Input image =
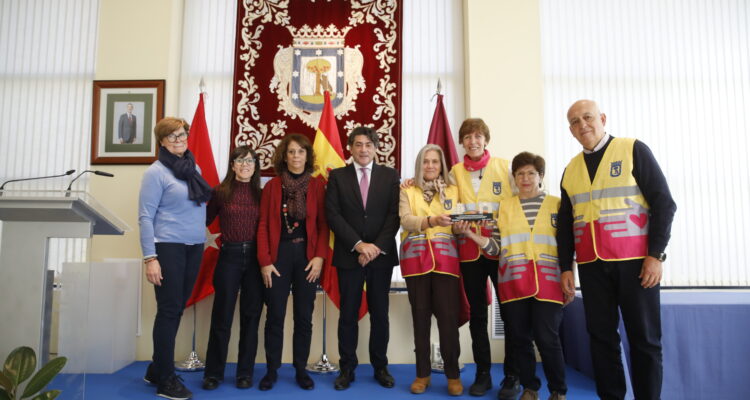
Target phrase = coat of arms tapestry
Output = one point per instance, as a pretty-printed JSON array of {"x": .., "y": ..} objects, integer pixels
[{"x": 288, "y": 53}]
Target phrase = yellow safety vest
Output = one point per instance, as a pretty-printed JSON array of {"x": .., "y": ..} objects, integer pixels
[
  {"x": 433, "y": 250},
  {"x": 494, "y": 187},
  {"x": 529, "y": 265},
  {"x": 610, "y": 214}
]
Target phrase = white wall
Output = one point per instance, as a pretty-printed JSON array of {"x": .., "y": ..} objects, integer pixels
[{"x": 504, "y": 87}]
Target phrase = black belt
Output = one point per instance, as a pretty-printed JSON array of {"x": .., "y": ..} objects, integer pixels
[{"x": 238, "y": 245}]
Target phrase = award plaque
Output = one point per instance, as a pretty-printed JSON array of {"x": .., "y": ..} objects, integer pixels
[{"x": 472, "y": 217}]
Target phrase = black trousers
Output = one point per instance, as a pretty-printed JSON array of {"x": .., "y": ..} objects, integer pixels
[
  {"x": 537, "y": 321},
  {"x": 236, "y": 271},
  {"x": 180, "y": 264},
  {"x": 291, "y": 263},
  {"x": 435, "y": 294},
  {"x": 607, "y": 286},
  {"x": 351, "y": 284},
  {"x": 475, "y": 274}
]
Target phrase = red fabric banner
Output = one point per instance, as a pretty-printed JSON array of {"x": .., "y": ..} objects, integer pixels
[
  {"x": 330, "y": 155},
  {"x": 288, "y": 53},
  {"x": 440, "y": 133},
  {"x": 199, "y": 144}
]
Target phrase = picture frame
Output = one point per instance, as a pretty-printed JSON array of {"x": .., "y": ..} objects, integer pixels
[{"x": 123, "y": 119}]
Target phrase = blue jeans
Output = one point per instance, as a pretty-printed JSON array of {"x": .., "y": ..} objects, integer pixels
[
  {"x": 180, "y": 264},
  {"x": 237, "y": 271}
]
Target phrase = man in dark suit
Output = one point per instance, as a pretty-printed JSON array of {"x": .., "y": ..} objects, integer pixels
[
  {"x": 362, "y": 211},
  {"x": 126, "y": 126}
]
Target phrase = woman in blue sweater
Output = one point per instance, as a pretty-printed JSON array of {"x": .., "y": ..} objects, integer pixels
[{"x": 171, "y": 216}]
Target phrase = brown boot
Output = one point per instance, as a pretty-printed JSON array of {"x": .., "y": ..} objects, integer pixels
[
  {"x": 455, "y": 388},
  {"x": 529, "y": 394},
  {"x": 420, "y": 385},
  {"x": 556, "y": 396}
]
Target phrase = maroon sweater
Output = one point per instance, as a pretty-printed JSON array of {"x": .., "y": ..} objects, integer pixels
[{"x": 238, "y": 217}]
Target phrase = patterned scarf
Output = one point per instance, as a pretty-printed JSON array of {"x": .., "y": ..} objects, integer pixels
[
  {"x": 434, "y": 186},
  {"x": 472, "y": 165},
  {"x": 184, "y": 169},
  {"x": 294, "y": 192}
]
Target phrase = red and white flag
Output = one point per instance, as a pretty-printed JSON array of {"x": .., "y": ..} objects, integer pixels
[
  {"x": 199, "y": 144},
  {"x": 329, "y": 155}
]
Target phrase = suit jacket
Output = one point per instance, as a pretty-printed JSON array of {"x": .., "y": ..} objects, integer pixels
[
  {"x": 269, "y": 227},
  {"x": 126, "y": 129},
  {"x": 351, "y": 222}
]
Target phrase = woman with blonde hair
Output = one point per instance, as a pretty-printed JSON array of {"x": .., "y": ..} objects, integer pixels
[{"x": 429, "y": 264}]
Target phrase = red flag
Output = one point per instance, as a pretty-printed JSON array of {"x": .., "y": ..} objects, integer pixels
[
  {"x": 199, "y": 144},
  {"x": 440, "y": 133},
  {"x": 329, "y": 155}
]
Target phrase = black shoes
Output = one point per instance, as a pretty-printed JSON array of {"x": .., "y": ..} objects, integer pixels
[
  {"x": 151, "y": 377},
  {"x": 303, "y": 380},
  {"x": 210, "y": 383},
  {"x": 267, "y": 382},
  {"x": 243, "y": 382},
  {"x": 172, "y": 388},
  {"x": 384, "y": 378},
  {"x": 510, "y": 388},
  {"x": 482, "y": 383},
  {"x": 345, "y": 378}
]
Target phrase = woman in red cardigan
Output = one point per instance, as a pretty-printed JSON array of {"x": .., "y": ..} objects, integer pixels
[{"x": 292, "y": 245}]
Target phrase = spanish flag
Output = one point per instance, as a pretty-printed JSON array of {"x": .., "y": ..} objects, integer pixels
[{"x": 329, "y": 155}]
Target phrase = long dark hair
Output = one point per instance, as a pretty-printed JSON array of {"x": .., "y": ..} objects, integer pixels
[{"x": 226, "y": 187}]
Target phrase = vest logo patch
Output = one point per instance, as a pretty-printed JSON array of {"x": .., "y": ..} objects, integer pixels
[
  {"x": 615, "y": 169},
  {"x": 497, "y": 187},
  {"x": 448, "y": 204},
  {"x": 553, "y": 220}
]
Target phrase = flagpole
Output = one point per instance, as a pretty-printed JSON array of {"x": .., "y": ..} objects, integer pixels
[
  {"x": 323, "y": 366},
  {"x": 192, "y": 363}
]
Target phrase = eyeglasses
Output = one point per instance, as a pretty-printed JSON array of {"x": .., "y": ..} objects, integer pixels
[
  {"x": 244, "y": 161},
  {"x": 172, "y": 138}
]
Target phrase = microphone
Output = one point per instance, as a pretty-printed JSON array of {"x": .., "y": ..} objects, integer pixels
[
  {"x": 69, "y": 172},
  {"x": 100, "y": 173}
]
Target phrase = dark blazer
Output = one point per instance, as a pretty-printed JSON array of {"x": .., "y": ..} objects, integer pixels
[
  {"x": 126, "y": 129},
  {"x": 351, "y": 222}
]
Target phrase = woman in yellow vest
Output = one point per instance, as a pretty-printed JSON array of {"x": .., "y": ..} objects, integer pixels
[
  {"x": 529, "y": 276},
  {"x": 483, "y": 182},
  {"x": 429, "y": 264}
]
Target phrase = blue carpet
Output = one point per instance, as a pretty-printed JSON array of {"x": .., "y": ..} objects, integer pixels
[{"x": 128, "y": 384}]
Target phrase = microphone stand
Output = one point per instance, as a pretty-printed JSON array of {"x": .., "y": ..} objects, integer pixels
[
  {"x": 100, "y": 173},
  {"x": 2, "y": 187}
]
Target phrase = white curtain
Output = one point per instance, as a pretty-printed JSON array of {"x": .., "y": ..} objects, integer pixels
[
  {"x": 676, "y": 75},
  {"x": 47, "y": 57}
]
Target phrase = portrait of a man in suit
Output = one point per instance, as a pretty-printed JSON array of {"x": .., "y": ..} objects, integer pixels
[{"x": 126, "y": 127}]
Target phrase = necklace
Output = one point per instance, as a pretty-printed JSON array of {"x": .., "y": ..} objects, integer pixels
[
  {"x": 481, "y": 173},
  {"x": 295, "y": 225}
]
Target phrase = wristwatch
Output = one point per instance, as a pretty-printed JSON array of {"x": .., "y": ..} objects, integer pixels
[{"x": 661, "y": 256}]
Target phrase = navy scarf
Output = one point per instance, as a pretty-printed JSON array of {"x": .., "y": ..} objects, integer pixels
[{"x": 183, "y": 169}]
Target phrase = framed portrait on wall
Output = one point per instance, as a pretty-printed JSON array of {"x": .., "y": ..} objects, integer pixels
[{"x": 123, "y": 120}]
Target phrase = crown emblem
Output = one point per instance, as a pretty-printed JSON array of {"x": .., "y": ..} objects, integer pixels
[{"x": 318, "y": 37}]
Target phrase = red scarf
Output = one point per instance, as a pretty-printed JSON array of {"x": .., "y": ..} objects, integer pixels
[{"x": 472, "y": 165}]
